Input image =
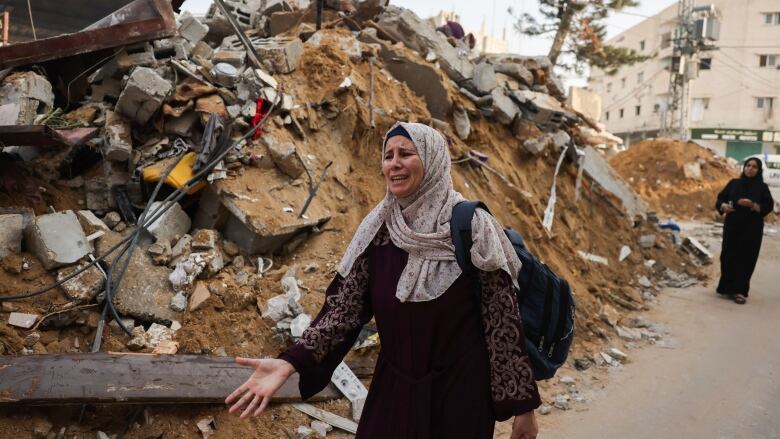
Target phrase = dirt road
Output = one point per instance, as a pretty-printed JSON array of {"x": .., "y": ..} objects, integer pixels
[{"x": 717, "y": 377}]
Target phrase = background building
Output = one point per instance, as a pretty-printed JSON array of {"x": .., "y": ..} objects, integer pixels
[{"x": 734, "y": 99}]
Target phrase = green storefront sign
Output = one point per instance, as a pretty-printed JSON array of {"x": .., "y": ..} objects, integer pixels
[{"x": 732, "y": 134}]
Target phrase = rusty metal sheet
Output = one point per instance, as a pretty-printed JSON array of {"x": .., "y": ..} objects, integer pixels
[
  {"x": 41, "y": 135},
  {"x": 120, "y": 378},
  {"x": 142, "y": 20}
]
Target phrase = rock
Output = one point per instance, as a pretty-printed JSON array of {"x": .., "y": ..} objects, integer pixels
[
  {"x": 230, "y": 248},
  {"x": 647, "y": 241},
  {"x": 207, "y": 427},
  {"x": 200, "y": 295},
  {"x": 304, "y": 431},
  {"x": 160, "y": 253},
  {"x": 545, "y": 410},
  {"x": 191, "y": 29},
  {"x": 11, "y": 233},
  {"x": 285, "y": 158},
  {"x": 629, "y": 334},
  {"x": 143, "y": 95},
  {"x": 484, "y": 79},
  {"x": 645, "y": 282},
  {"x": 609, "y": 315},
  {"x": 205, "y": 239},
  {"x": 516, "y": 71},
  {"x": 179, "y": 302},
  {"x": 138, "y": 340},
  {"x": 30, "y": 339},
  {"x": 166, "y": 347},
  {"x": 156, "y": 334},
  {"x": 175, "y": 326},
  {"x": 567, "y": 380},
  {"x": 128, "y": 322},
  {"x": 461, "y": 120},
  {"x": 321, "y": 428},
  {"x": 561, "y": 139},
  {"x": 541, "y": 108},
  {"x": 112, "y": 219},
  {"x": 638, "y": 322},
  {"x": 624, "y": 252},
  {"x": 692, "y": 170},
  {"x": 101, "y": 435},
  {"x": 537, "y": 145},
  {"x": 119, "y": 142},
  {"x": 173, "y": 222},
  {"x": 57, "y": 239},
  {"x": 582, "y": 363},
  {"x": 299, "y": 324},
  {"x": 310, "y": 268},
  {"x": 215, "y": 262},
  {"x": 618, "y": 354},
  {"x": 504, "y": 110},
  {"x": 561, "y": 402},
  {"x": 282, "y": 53},
  {"x": 84, "y": 287},
  {"x": 90, "y": 223},
  {"x": 182, "y": 249},
  {"x": 41, "y": 428},
  {"x": 186, "y": 271},
  {"x": 606, "y": 358}
]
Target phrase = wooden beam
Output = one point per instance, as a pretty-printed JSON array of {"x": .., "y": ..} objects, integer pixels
[{"x": 121, "y": 378}]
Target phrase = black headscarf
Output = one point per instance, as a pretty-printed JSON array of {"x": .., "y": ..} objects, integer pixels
[{"x": 751, "y": 187}]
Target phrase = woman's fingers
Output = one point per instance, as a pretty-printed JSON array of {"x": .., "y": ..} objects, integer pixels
[
  {"x": 263, "y": 405},
  {"x": 242, "y": 402},
  {"x": 232, "y": 397},
  {"x": 247, "y": 361},
  {"x": 251, "y": 407}
]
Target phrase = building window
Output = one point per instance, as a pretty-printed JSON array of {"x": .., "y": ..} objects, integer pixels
[
  {"x": 656, "y": 108},
  {"x": 767, "y": 61},
  {"x": 621, "y": 113},
  {"x": 606, "y": 115},
  {"x": 697, "y": 108},
  {"x": 623, "y": 83},
  {"x": 764, "y": 102},
  {"x": 666, "y": 40},
  {"x": 642, "y": 45},
  {"x": 705, "y": 63},
  {"x": 638, "y": 110},
  {"x": 609, "y": 87},
  {"x": 772, "y": 18},
  {"x": 640, "y": 77}
]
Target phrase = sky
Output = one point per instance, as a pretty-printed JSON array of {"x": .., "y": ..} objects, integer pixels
[{"x": 493, "y": 13}]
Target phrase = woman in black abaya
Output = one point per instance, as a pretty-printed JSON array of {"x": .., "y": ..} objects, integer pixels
[{"x": 745, "y": 201}]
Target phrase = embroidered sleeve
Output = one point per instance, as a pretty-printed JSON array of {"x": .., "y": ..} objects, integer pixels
[
  {"x": 512, "y": 382},
  {"x": 334, "y": 331}
]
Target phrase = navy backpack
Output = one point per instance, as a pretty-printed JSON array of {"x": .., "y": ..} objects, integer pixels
[{"x": 545, "y": 299}]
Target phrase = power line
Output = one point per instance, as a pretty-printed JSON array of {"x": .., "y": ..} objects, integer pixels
[{"x": 747, "y": 70}]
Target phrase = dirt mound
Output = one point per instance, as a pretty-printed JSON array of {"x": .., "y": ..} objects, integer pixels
[{"x": 677, "y": 179}]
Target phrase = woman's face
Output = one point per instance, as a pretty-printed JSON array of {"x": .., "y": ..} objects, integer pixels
[
  {"x": 751, "y": 168},
  {"x": 402, "y": 167}
]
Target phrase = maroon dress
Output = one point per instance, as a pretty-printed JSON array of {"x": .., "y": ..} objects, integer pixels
[{"x": 445, "y": 370}]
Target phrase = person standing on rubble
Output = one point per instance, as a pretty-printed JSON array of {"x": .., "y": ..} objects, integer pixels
[
  {"x": 745, "y": 201},
  {"x": 450, "y": 365}
]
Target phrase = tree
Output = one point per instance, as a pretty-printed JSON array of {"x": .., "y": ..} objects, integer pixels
[{"x": 580, "y": 31}]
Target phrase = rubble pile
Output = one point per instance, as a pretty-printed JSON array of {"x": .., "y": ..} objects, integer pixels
[
  {"x": 677, "y": 179},
  {"x": 235, "y": 263}
]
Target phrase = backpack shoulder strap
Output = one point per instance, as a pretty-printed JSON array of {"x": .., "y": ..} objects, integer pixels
[{"x": 460, "y": 229}]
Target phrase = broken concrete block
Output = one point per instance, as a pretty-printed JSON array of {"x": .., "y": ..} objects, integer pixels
[
  {"x": 321, "y": 428},
  {"x": 191, "y": 29},
  {"x": 285, "y": 158},
  {"x": 57, "y": 239},
  {"x": 202, "y": 50},
  {"x": 166, "y": 347},
  {"x": 205, "y": 239},
  {"x": 84, "y": 287},
  {"x": 22, "y": 320},
  {"x": 179, "y": 302},
  {"x": 695, "y": 247},
  {"x": 91, "y": 223},
  {"x": 692, "y": 170},
  {"x": 173, "y": 222},
  {"x": 138, "y": 340},
  {"x": 600, "y": 170},
  {"x": 24, "y": 95},
  {"x": 538, "y": 145},
  {"x": 143, "y": 58},
  {"x": 215, "y": 262},
  {"x": 186, "y": 271},
  {"x": 542, "y": 109},
  {"x": 484, "y": 79},
  {"x": 156, "y": 334},
  {"x": 647, "y": 241},
  {"x": 160, "y": 252},
  {"x": 143, "y": 95},
  {"x": 461, "y": 122},
  {"x": 199, "y": 295},
  {"x": 299, "y": 324},
  {"x": 112, "y": 219},
  {"x": 516, "y": 71},
  {"x": 119, "y": 142},
  {"x": 234, "y": 58},
  {"x": 561, "y": 139},
  {"x": 283, "y": 53},
  {"x": 504, "y": 110},
  {"x": 183, "y": 125},
  {"x": 181, "y": 249},
  {"x": 11, "y": 233}
]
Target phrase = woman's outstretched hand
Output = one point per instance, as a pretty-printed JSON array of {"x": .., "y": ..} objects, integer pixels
[
  {"x": 256, "y": 392},
  {"x": 525, "y": 426}
]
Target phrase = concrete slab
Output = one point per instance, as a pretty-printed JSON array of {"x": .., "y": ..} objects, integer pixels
[
  {"x": 143, "y": 95},
  {"x": 57, "y": 239},
  {"x": 84, "y": 287},
  {"x": 599, "y": 170},
  {"x": 174, "y": 222},
  {"x": 119, "y": 143},
  {"x": 11, "y": 233}
]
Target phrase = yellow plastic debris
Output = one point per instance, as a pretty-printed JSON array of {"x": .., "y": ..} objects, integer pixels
[{"x": 178, "y": 176}]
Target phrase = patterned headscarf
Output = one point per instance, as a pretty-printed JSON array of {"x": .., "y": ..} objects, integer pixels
[{"x": 420, "y": 225}]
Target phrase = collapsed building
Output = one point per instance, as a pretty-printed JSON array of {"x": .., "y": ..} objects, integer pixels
[{"x": 178, "y": 185}]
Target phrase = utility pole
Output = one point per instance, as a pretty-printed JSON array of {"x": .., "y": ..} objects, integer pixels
[{"x": 697, "y": 28}]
